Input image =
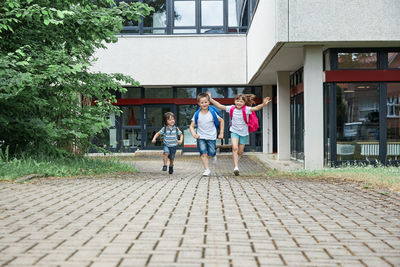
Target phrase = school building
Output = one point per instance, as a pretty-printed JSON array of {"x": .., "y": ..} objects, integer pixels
[{"x": 332, "y": 68}]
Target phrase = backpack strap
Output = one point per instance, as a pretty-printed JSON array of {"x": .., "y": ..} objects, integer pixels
[
  {"x": 244, "y": 114},
  {"x": 213, "y": 111},
  {"x": 196, "y": 116},
  {"x": 231, "y": 113}
]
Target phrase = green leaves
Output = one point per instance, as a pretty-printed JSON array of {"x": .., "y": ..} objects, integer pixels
[{"x": 46, "y": 89}]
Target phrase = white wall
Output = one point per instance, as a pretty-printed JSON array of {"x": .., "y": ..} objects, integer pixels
[
  {"x": 300, "y": 22},
  {"x": 177, "y": 60},
  {"x": 261, "y": 36},
  {"x": 344, "y": 20}
]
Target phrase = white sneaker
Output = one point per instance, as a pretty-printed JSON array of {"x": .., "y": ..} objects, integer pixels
[
  {"x": 206, "y": 172},
  {"x": 236, "y": 171},
  {"x": 214, "y": 160}
]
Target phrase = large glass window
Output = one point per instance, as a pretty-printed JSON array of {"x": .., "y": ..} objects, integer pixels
[
  {"x": 158, "y": 92},
  {"x": 186, "y": 92},
  {"x": 132, "y": 92},
  {"x": 217, "y": 92},
  {"x": 156, "y": 22},
  {"x": 185, "y": 115},
  {"x": 394, "y": 60},
  {"x": 193, "y": 16},
  {"x": 184, "y": 13},
  {"x": 357, "y": 60},
  {"x": 212, "y": 12},
  {"x": 393, "y": 121},
  {"x": 233, "y": 91},
  {"x": 357, "y": 119},
  {"x": 131, "y": 115}
]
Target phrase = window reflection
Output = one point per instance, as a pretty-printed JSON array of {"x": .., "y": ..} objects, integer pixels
[
  {"x": 131, "y": 115},
  {"x": 132, "y": 92},
  {"x": 158, "y": 17},
  {"x": 186, "y": 92},
  {"x": 394, "y": 60},
  {"x": 184, "y": 13},
  {"x": 233, "y": 13},
  {"x": 357, "y": 60},
  {"x": 215, "y": 92},
  {"x": 393, "y": 121},
  {"x": 357, "y": 113},
  {"x": 233, "y": 91},
  {"x": 158, "y": 92},
  {"x": 211, "y": 12}
]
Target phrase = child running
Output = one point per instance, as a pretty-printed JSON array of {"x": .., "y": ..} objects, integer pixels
[
  {"x": 169, "y": 134},
  {"x": 206, "y": 119},
  {"x": 239, "y": 128}
]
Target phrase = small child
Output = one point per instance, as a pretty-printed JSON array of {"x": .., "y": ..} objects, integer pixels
[
  {"x": 206, "y": 130},
  {"x": 239, "y": 129},
  {"x": 169, "y": 134}
]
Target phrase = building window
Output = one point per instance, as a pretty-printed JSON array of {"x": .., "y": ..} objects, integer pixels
[
  {"x": 357, "y": 121},
  {"x": 132, "y": 92},
  {"x": 393, "y": 121},
  {"x": 212, "y": 12},
  {"x": 184, "y": 13},
  {"x": 193, "y": 17},
  {"x": 158, "y": 93},
  {"x": 186, "y": 92},
  {"x": 393, "y": 60},
  {"x": 357, "y": 60}
]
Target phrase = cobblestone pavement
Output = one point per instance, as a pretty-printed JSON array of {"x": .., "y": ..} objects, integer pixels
[{"x": 155, "y": 219}]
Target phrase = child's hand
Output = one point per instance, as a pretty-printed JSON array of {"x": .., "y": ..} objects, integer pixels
[
  {"x": 267, "y": 100},
  {"x": 208, "y": 93},
  {"x": 180, "y": 142},
  {"x": 196, "y": 136},
  {"x": 221, "y": 136},
  {"x": 153, "y": 141}
]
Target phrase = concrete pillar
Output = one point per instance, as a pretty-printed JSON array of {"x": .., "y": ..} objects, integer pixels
[
  {"x": 283, "y": 116},
  {"x": 267, "y": 120},
  {"x": 313, "y": 108}
]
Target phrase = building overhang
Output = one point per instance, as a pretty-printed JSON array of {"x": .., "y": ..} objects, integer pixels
[{"x": 290, "y": 57}]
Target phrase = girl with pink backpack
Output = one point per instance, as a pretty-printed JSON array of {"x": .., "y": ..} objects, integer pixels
[{"x": 243, "y": 121}]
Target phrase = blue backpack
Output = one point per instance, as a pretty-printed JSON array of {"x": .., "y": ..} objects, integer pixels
[{"x": 214, "y": 112}]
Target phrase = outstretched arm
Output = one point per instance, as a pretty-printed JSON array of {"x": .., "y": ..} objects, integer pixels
[
  {"x": 263, "y": 104},
  {"x": 215, "y": 103},
  {"x": 155, "y": 137}
]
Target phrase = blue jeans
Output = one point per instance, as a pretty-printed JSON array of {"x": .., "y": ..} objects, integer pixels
[
  {"x": 171, "y": 151},
  {"x": 208, "y": 147}
]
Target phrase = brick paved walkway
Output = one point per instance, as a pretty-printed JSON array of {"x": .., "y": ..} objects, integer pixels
[{"x": 156, "y": 219}]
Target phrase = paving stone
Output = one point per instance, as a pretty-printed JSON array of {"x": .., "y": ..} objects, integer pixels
[{"x": 153, "y": 219}]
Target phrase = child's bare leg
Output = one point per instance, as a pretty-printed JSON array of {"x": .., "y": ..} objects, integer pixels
[
  {"x": 171, "y": 162},
  {"x": 165, "y": 159},
  {"x": 204, "y": 159},
  {"x": 235, "y": 150},
  {"x": 241, "y": 149}
]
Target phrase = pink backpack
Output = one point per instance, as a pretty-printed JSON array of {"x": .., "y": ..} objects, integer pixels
[{"x": 253, "y": 120}]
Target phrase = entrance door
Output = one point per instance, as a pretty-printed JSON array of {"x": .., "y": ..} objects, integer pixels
[{"x": 153, "y": 121}]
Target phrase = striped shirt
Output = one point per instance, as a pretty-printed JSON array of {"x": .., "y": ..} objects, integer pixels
[{"x": 171, "y": 135}]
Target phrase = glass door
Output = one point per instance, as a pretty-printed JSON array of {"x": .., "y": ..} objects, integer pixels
[{"x": 153, "y": 122}]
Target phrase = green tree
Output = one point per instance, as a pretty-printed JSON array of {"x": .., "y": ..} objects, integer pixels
[{"x": 47, "y": 90}]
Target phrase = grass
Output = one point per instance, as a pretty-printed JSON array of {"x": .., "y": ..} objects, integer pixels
[
  {"x": 11, "y": 169},
  {"x": 369, "y": 176}
]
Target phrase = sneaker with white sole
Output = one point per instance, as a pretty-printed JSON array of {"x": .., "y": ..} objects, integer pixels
[
  {"x": 206, "y": 172},
  {"x": 236, "y": 171}
]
